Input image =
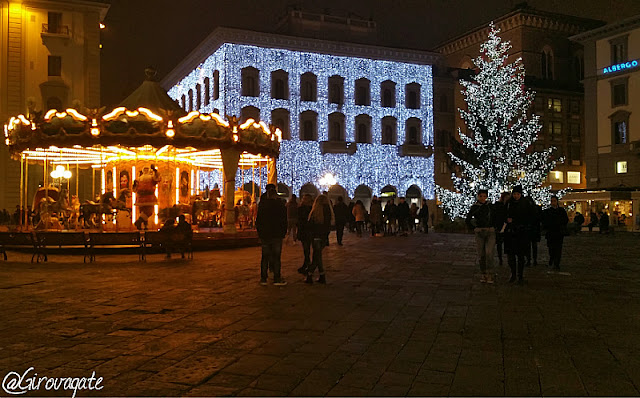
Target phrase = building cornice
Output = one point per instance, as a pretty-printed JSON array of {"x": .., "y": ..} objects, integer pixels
[
  {"x": 223, "y": 35},
  {"x": 565, "y": 24},
  {"x": 71, "y": 5},
  {"x": 611, "y": 29}
]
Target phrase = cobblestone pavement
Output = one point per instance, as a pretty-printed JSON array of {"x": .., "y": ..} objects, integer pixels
[{"x": 399, "y": 316}]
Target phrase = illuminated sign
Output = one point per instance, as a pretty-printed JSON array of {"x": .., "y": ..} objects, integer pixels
[{"x": 620, "y": 67}]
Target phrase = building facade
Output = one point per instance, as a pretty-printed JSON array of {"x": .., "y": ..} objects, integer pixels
[
  {"x": 361, "y": 113},
  {"x": 554, "y": 68},
  {"x": 612, "y": 117},
  {"x": 49, "y": 58}
]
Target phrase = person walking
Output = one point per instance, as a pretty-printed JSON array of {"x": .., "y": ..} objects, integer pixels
[
  {"x": 593, "y": 221},
  {"x": 423, "y": 215},
  {"x": 481, "y": 220},
  {"x": 304, "y": 231},
  {"x": 578, "y": 220},
  {"x": 604, "y": 222},
  {"x": 555, "y": 222},
  {"x": 359, "y": 213},
  {"x": 534, "y": 232},
  {"x": 271, "y": 224},
  {"x": 391, "y": 216},
  {"x": 292, "y": 219},
  {"x": 320, "y": 220},
  {"x": 500, "y": 219},
  {"x": 517, "y": 233},
  {"x": 403, "y": 217},
  {"x": 413, "y": 216},
  {"x": 376, "y": 216},
  {"x": 341, "y": 212}
]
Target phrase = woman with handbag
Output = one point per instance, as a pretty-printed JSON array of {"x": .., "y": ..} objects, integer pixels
[{"x": 320, "y": 219}]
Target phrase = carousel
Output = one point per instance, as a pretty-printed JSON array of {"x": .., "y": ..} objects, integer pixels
[{"x": 146, "y": 159}]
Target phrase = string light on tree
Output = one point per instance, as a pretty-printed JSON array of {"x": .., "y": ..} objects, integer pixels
[{"x": 501, "y": 134}]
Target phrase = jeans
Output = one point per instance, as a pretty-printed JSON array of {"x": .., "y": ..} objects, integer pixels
[
  {"x": 271, "y": 250},
  {"x": 339, "y": 232},
  {"x": 554, "y": 242},
  {"x": 518, "y": 250},
  {"x": 359, "y": 225},
  {"x": 485, "y": 243},
  {"x": 318, "y": 245},
  {"x": 306, "y": 248}
]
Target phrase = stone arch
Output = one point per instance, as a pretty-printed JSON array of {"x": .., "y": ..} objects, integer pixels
[
  {"x": 388, "y": 192},
  {"x": 363, "y": 193},
  {"x": 310, "y": 189},
  {"x": 335, "y": 191},
  {"x": 284, "y": 190}
]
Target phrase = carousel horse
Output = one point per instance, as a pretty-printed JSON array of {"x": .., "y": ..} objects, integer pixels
[
  {"x": 53, "y": 212},
  {"x": 205, "y": 211},
  {"x": 91, "y": 212},
  {"x": 75, "y": 211}
]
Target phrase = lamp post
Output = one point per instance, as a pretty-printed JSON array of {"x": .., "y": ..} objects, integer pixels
[{"x": 327, "y": 180}]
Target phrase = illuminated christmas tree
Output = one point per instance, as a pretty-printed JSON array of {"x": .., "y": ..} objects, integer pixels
[{"x": 499, "y": 153}]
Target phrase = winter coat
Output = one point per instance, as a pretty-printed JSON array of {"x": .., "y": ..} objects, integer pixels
[
  {"x": 480, "y": 216},
  {"x": 304, "y": 227},
  {"x": 271, "y": 222},
  {"x": 321, "y": 230},
  {"x": 403, "y": 210},
  {"x": 499, "y": 215},
  {"x": 554, "y": 221},
  {"x": 341, "y": 212},
  {"x": 423, "y": 214},
  {"x": 292, "y": 210},
  {"x": 391, "y": 211},
  {"x": 359, "y": 212},
  {"x": 536, "y": 219},
  {"x": 376, "y": 212}
]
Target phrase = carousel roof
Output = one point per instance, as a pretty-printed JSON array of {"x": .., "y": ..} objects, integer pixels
[{"x": 148, "y": 117}]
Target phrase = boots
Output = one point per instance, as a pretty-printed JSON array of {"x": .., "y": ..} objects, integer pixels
[
  {"x": 309, "y": 280},
  {"x": 322, "y": 279}
]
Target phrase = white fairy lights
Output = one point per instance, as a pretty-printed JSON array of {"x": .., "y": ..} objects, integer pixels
[
  {"x": 301, "y": 162},
  {"x": 502, "y": 134}
]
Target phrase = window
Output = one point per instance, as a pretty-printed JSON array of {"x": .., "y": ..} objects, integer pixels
[
  {"x": 190, "y": 100},
  {"x": 578, "y": 67},
  {"x": 619, "y": 92},
  {"x": 573, "y": 155},
  {"x": 621, "y": 167},
  {"x": 336, "y": 127},
  {"x": 336, "y": 89},
  {"x": 619, "y": 49},
  {"x": 250, "y": 79},
  {"x": 620, "y": 127},
  {"x": 547, "y": 63},
  {"x": 207, "y": 93},
  {"x": 574, "y": 132},
  {"x": 54, "y": 103},
  {"x": 183, "y": 102},
  {"x": 308, "y": 122},
  {"x": 198, "y": 96},
  {"x": 444, "y": 167},
  {"x": 442, "y": 139},
  {"x": 279, "y": 84},
  {"x": 308, "y": 84},
  {"x": 412, "y": 92},
  {"x": 413, "y": 131},
  {"x": 216, "y": 85},
  {"x": 388, "y": 94},
  {"x": 573, "y": 177},
  {"x": 363, "y": 129},
  {"x": 389, "y": 124},
  {"x": 280, "y": 119},
  {"x": 54, "y": 20},
  {"x": 554, "y": 104},
  {"x": 249, "y": 112},
  {"x": 362, "y": 133},
  {"x": 556, "y": 177},
  {"x": 575, "y": 107},
  {"x": 554, "y": 131},
  {"x": 362, "y": 92},
  {"x": 55, "y": 65}
]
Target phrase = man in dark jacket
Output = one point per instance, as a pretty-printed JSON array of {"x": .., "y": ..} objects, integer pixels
[
  {"x": 519, "y": 214},
  {"x": 341, "y": 212},
  {"x": 271, "y": 224},
  {"x": 423, "y": 216},
  {"x": 554, "y": 220},
  {"x": 480, "y": 220},
  {"x": 534, "y": 232},
  {"x": 403, "y": 217}
]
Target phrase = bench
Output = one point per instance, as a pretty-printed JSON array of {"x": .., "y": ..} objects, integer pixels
[
  {"x": 62, "y": 239},
  {"x": 169, "y": 241},
  {"x": 119, "y": 239},
  {"x": 19, "y": 240}
]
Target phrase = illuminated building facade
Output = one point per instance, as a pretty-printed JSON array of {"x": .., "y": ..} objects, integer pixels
[
  {"x": 361, "y": 113},
  {"x": 49, "y": 58}
]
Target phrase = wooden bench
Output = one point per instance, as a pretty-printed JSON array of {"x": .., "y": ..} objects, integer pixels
[
  {"x": 169, "y": 241},
  {"x": 20, "y": 240},
  {"x": 112, "y": 239},
  {"x": 77, "y": 240}
]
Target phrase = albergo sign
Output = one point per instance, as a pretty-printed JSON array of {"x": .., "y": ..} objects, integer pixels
[{"x": 620, "y": 67}]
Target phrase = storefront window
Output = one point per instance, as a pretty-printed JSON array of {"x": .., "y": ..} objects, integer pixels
[
  {"x": 573, "y": 177},
  {"x": 621, "y": 167}
]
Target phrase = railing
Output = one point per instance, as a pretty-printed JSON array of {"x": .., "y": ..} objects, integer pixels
[{"x": 55, "y": 29}]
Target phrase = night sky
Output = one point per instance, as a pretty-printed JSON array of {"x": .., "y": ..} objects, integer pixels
[{"x": 160, "y": 33}]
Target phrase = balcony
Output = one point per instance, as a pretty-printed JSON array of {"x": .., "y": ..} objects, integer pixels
[
  {"x": 415, "y": 150},
  {"x": 338, "y": 147},
  {"x": 55, "y": 31}
]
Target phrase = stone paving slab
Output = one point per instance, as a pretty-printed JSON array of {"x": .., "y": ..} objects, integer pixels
[{"x": 399, "y": 317}]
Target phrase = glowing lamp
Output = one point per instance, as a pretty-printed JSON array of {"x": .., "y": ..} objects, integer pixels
[
  {"x": 95, "y": 131},
  {"x": 60, "y": 172},
  {"x": 170, "y": 133}
]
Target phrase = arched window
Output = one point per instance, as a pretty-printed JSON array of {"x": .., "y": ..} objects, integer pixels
[
  {"x": 308, "y": 85},
  {"x": 412, "y": 91},
  {"x": 216, "y": 84},
  {"x": 389, "y": 125},
  {"x": 207, "y": 93},
  {"x": 362, "y": 92},
  {"x": 547, "y": 63},
  {"x": 578, "y": 67},
  {"x": 279, "y": 84},
  {"x": 363, "y": 129},
  {"x": 183, "y": 101},
  {"x": 250, "y": 81},
  {"x": 388, "y": 92},
  {"x": 336, "y": 89},
  {"x": 413, "y": 131},
  {"x": 249, "y": 112},
  {"x": 336, "y": 127},
  {"x": 308, "y": 123},
  {"x": 198, "y": 96},
  {"x": 280, "y": 119},
  {"x": 190, "y": 100}
]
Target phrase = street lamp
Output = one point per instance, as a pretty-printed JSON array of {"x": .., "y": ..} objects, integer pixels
[
  {"x": 60, "y": 172},
  {"x": 327, "y": 180}
]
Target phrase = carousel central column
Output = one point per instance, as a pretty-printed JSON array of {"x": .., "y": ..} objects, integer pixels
[
  {"x": 272, "y": 172},
  {"x": 230, "y": 159}
]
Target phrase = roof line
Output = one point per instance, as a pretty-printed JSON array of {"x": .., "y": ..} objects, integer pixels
[{"x": 609, "y": 29}]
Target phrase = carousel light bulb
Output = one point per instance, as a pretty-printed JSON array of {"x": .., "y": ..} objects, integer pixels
[
  {"x": 95, "y": 131},
  {"x": 67, "y": 174},
  {"x": 170, "y": 133}
]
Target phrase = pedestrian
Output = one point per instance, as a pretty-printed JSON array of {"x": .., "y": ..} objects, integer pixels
[
  {"x": 391, "y": 216},
  {"x": 292, "y": 219},
  {"x": 413, "y": 216},
  {"x": 403, "y": 217},
  {"x": 359, "y": 213},
  {"x": 534, "y": 232},
  {"x": 352, "y": 219},
  {"x": 376, "y": 216},
  {"x": 423, "y": 215},
  {"x": 593, "y": 220},
  {"x": 184, "y": 229},
  {"x": 341, "y": 212},
  {"x": 481, "y": 220},
  {"x": 555, "y": 222},
  {"x": 578, "y": 220},
  {"x": 271, "y": 224},
  {"x": 305, "y": 235},
  {"x": 320, "y": 220},
  {"x": 500, "y": 222},
  {"x": 604, "y": 222},
  {"x": 517, "y": 233}
]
